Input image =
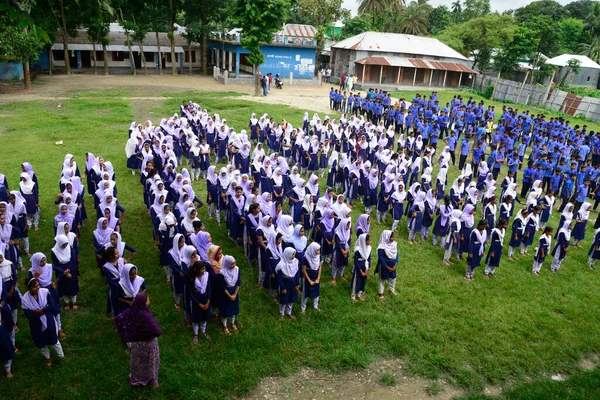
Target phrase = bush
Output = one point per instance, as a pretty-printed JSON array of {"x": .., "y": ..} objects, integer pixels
[{"x": 487, "y": 93}]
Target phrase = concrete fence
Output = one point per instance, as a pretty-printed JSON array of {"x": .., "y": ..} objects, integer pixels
[{"x": 541, "y": 96}]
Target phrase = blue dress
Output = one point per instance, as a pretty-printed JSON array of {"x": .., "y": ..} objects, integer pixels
[
  {"x": 308, "y": 291},
  {"x": 474, "y": 249},
  {"x": 359, "y": 282},
  {"x": 289, "y": 284},
  {"x": 579, "y": 227},
  {"x": 517, "y": 233},
  {"x": 594, "y": 251},
  {"x": 50, "y": 335},
  {"x": 228, "y": 308},
  {"x": 542, "y": 251},
  {"x": 496, "y": 248},
  {"x": 66, "y": 286},
  {"x": 383, "y": 262}
]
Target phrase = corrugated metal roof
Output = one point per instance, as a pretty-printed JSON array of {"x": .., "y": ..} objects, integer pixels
[
  {"x": 399, "y": 43},
  {"x": 116, "y": 47},
  {"x": 562, "y": 61},
  {"x": 388, "y": 61},
  {"x": 298, "y": 30}
]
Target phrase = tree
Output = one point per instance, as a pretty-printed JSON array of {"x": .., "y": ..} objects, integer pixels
[
  {"x": 476, "y": 38},
  {"x": 413, "y": 20},
  {"x": 96, "y": 16},
  {"x": 570, "y": 33},
  {"x": 439, "y": 19},
  {"x": 592, "y": 20},
  {"x": 548, "y": 8},
  {"x": 201, "y": 18},
  {"x": 475, "y": 9},
  {"x": 19, "y": 45},
  {"x": 320, "y": 14},
  {"x": 544, "y": 28},
  {"x": 175, "y": 7},
  {"x": 356, "y": 25},
  {"x": 520, "y": 48},
  {"x": 66, "y": 16},
  {"x": 580, "y": 9},
  {"x": 259, "y": 20},
  {"x": 591, "y": 49},
  {"x": 573, "y": 65},
  {"x": 157, "y": 10},
  {"x": 457, "y": 17}
]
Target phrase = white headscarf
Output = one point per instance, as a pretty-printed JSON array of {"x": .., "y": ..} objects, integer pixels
[
  {"x": 230, "y": 273},
  {"x": 312, "y": 258},
  {"x": 390, "y": 247},
  {"x": 130, "y": 289},
  {"x": 288, "y": 264},
  {"x": 63, "y": 255},
  {"x": 363, "y": 249}
]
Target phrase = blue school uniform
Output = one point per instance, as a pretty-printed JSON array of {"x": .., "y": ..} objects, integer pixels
[
  {"x": 227, "y": 307},
  {"x": 579, "y": 227},
  {"x": 495, "y": 249},
  {"x": 542, "y": 250},
  {"x": 517, "y": 233},
  {"x": 383, "y": 263},
  {"x": 359, "y": 282}
]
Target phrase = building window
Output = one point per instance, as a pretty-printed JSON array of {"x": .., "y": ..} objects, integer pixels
[
  {"x": 99, "y": 56},
  {"x": 588, "y": 79},
  {"x": 169, "y": 57},
  {"x": 58, "y": 55},
  {"x": 120, "y": 55},
  {"x": 187, "y": 56},
  {"x": 149, "y": 56}
]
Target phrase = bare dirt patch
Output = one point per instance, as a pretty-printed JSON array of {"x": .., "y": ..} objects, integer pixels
[{"x": 383, "y": 380}]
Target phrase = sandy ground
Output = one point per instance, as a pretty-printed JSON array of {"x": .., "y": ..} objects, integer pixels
[{"x": 152, "y": 89}]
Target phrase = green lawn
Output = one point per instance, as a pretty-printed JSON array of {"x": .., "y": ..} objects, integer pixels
[{"x": 504, "y": 331}]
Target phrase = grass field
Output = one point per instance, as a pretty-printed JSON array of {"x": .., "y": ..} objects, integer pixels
[{"x": 502, "y": 332}]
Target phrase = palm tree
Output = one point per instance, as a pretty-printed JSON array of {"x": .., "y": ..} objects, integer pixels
[
  {"x": 413, "y": 20},
  {"x": 591, "y": 50},
  {"x": 379, "y": 6},
  {"x": 456, "y": 12},
  {"x": 592, "y": 21}
]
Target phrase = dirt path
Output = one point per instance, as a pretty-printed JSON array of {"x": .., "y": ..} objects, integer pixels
[
  {"x": 384, "y": 380},
  {"x": 142, "y": 88}
]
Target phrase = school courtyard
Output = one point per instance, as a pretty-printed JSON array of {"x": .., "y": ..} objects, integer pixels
[{"x": 516, "y": 337}]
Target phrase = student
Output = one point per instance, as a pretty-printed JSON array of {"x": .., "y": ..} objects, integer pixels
[
  {"x": 360, "y": 270},
  {"x": 532, "y": 224},
  {"x": 311, "y": 276},
  {"x": 387, "y": 253},
  {"x": 518, "y": 229},
  {"x": 476, "y": 248},
  {"x": 288, "y": 282},
  {"x": 130, "y": 284},
  {"x": 397, "y": 199},
  {"x": 547, "y": 204},
  {"x": 229, "y": 305},
  {"x": 467, "y": 221},
  {"x": 441, "y": 226},
  {"x": 594, "y": 252},
  {"x": 494, "y": 255},
  {"x": 543, "y": 249},
  {"x": 273, "y": 254},
  {"x": 452, "y": 240},
  {"x": 41, "y": 309},
  {"x": 10, "y": 298},
  {"x": 562, "y": 246},
  {"x": 581, "y": 219},
  {"x": 416, "y": 211},
  {"x": 64, "y": 263},
  {"x": 42, "y": 272},
  {"x": 342, "y": 239},
  {"x": 198, "y": 293}
]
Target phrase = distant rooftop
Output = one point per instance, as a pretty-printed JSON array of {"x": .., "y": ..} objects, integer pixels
[
  {"x": 398, "y": 43},
  {"x": 563, "y": 60}
]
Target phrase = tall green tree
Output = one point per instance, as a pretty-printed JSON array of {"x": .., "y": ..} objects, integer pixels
[
  {"x": 414, "y": 18},
  {"x": 201, "y": 17},
  {"x": 549, "y": 8},
  {"x": 573, "y": 65},
  {"x": 478, "y": 37},
  {"x": 570, "y": 33},
  {"x": 320, "y": 14},
  {"x": 457, "y": 12},
  {"x": 475, "y": 9},
  {"x": 439, "y": 19},
  {"x": 356, "y": 25},
  {"x": 20, "y": 45},
  {"x": 547, "y": 30},
  {"x": 259, "y": 20},
  {"x": 62, "y": 15},
  {"x": 520, "y": 48},
  {"x": 590, "y": 49},
  {"x": 97, "y": 16},
  {"x": 592, "y": 20},
  {"x": 579, "y": 9}
]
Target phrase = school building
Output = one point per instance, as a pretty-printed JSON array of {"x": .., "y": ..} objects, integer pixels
[
  {"x": 293, "y": 50},
  {"x": 396, "y": 59},
  {"x": 587, "y": 76},
  {"x": 81, "y": 49}
]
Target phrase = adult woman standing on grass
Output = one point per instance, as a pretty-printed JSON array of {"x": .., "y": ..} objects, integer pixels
[
  {"x": 387, "y": 253},
  {"x": 138, "y": 327},
  {"x": 41, "y": 309}
]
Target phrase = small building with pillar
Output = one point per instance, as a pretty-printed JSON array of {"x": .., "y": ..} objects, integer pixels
[
  {"x": 81, "y": 51},
  {"x": 293, "y": 50},
  {"x": 381, "y": 58}
]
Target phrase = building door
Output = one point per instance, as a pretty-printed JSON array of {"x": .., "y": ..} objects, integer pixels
[{"x": 86, "y": 59}]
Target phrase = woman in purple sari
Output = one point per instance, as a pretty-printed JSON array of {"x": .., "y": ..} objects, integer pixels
[{"x": 138, "y": 327}]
